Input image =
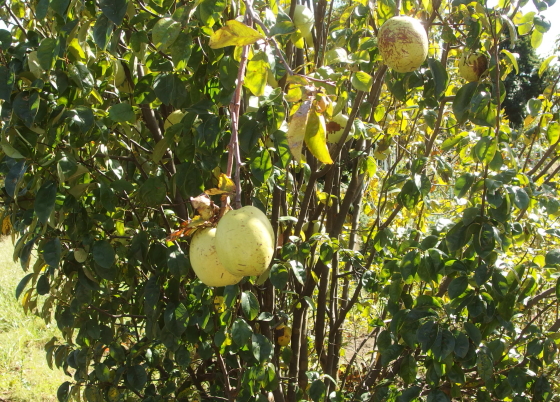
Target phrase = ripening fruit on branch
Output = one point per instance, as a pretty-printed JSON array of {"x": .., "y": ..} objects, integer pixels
[
  {"x": 472, "y": 65},
  {"x": 205, "y": 262},
  {"x": 403, "y": 43},
  {"x": 284, "y": 335},
  {"x": 335, "y": 128},
  {"x": 303, "y": 20},
  {"x": 245, "y": 241}
]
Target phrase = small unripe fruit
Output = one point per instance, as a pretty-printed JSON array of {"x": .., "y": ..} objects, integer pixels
[
  {"x": 335, "y": 128},
  {"x": 205, "y": 262},
  {"x": 245, "y": 241},
  {"x": 472, "y": 65},
  {"x": 403, "y": 43}
]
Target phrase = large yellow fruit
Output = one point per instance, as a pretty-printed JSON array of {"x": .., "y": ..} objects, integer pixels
[
  {"x": 245, "y": 241},
  {"x": 335, "y": 128},
  {"x": 403, "y": 43},
  {"x": 205, "y": 262},
  {"x": 472, "y": 65}
]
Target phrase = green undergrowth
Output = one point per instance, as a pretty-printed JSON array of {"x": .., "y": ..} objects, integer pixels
[{"x": 24, "y": 373}]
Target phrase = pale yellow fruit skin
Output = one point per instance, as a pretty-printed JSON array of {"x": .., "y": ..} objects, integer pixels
[
  {"x": 205, "y": 262},
  {"x": 403, "y": 43},
  {"x": 245, "y": 241},
  {"x": 334, "y": 136},
  {"x": 471, "y": 66}
]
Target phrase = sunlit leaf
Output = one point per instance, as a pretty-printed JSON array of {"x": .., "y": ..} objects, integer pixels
[
  {"x": 316, "y": 137},
  {"x": 234, "y": 33}
]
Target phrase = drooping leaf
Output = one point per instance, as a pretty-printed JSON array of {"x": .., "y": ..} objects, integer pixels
[
  {"x": 44, "y": 203},
  {"x": 114, "y": 10},
  {"x": 250, "y": 305},
  {"x": 297, "y": 128},
  {"x": 316, "y": 137}
]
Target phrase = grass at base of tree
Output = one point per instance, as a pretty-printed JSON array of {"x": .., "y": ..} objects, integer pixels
[{"x": 24, "y": 373}]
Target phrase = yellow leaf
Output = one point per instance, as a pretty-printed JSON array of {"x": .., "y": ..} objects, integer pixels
[
  {"x": 257, "y": 75},
  {"x": 234, "y": 33},
  {"x": 225, "y": 183},
  {"x": 316, "y": 137},
  {"x": 296, "y": 129},
  {"x": 76, "y": 50}
]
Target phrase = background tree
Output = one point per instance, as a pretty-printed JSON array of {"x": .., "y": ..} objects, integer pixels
[
  {"x": 528, "y": 84},
  {"x": 417, "y": 254}
]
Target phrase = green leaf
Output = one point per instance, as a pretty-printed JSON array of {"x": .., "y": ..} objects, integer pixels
[
  {"x": 279, "y": 276},
  {"x": 52, "y": 250},
  {"x": 362, "y": 81},
  {"x": 427, "y": 334},
  {"x": 299, "y": 271},
  {"x": 26, "y": 106},
  {"x": 82, "y": 77},
  {"x": 317, "y": 391},
  {"x": 512, "y": 60},
  {"x": 170, "y": 89},
  {"x": 257, "y": 74},
  {"x": 408, "y": 369},
  {"x": 22, "y": 284},
  {"x": 544, "y": 65},
  {"x": 122, "y": 113},
  {"x": 43, "y": 286},
  {"x": 44, "y": 202},
  {"x": 241, "y": 332},
  {"x": 536, "y": 39},
  {"x": 485, "y": 149},
  {"x": 282, "y": 28},
  {"x": 46, "y": 53},
  {"x": 103, "y": 253},
  {"x": 473, "y": 332},
  {"x": 552, "y": 258},
  {"x": 153, "y": 191},
  {"x": 462, "y": 101},
  {"x": 443, "y": 345},
  {"x": 261, "y": 165},
  {"x": 441, "y": 79},
  {"x": 60, "y": 6},
  {"x": 262, "y": 347},
  {"x": 249, "y": 305},
  {"x": 102, "y": 31},
  {"x": 63, "y": 392},
  {"x": 437, "y": 395},
  {"x": 137, "y": 377},
  {"x": 461, "y": 344},
  {"x": 553, "y": 132},
  {"x": 115, "y": 10},
  {"x": 463, "y": 184},
  {"x": 6, "y": 83},
  {"x": 485, "y": 365},
  {"x": 410, "y": 394},
  {"x": 457, "y": 287},
  {"x": 165, "y": 32},
  {"x": 316, "y": 137},
  {"x": 234, "y": 33}
]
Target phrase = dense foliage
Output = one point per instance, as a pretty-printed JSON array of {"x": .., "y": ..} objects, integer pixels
[{"x": 418, "y": 260}]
